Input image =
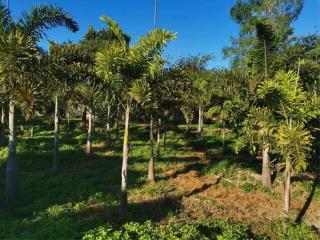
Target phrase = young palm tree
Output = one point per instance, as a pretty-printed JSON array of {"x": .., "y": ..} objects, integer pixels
[
  {"x": 18, "y": 46},
  {"x": 290, "y": 101},
  {"x": 124, "y": 66},
  {"x": 149, "y": 93},
  {"x": 259, "y": 129}
]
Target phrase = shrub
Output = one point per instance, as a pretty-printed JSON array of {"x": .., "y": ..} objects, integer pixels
[
  {"x": 284, "y": 229},
  {"x": 207, "y": 229}
]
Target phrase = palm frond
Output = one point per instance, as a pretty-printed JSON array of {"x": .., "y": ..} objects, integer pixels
[
  {"x": 140, "y": 91},
  {"x": 44, "y": 17},
  {"x": 295, "y": 144},
  {"x": 5, "y": 18},
  {"x": 114, "y": 26}
]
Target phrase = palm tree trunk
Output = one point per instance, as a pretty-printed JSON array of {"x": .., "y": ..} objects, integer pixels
[
  {"x": 89, "y": 137},
  {"x": 117, "y": 122},
  {"x": 31, "y": 130},
  {"x": 108, "y": 117},
  {"x": 56, "y": 163},
  {"x": 266, "y": 172},
  {"x": 158, "y": 138},
  {"x": 199, "y": 120},
  {"x": 108, "y": 122},
  {"x": 151, "y": 177},
  {"x": 200, "y": 123},
  {"x": 11, "y": 169},
  {"x": 124, "y": 170},
  {"x": 68, "y": 122},
  {"x": 287, "y": 180},
  {"x": 2, "y": 127}
]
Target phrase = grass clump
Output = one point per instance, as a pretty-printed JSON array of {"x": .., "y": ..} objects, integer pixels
[{"x": 286, "y": 229}]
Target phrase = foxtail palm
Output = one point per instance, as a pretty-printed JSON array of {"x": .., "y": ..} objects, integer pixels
[
  {"x": 123, "y": 65},
  {"x": 18, "y": 46},
  {"x": 294, "y": 140},
  {"x": 259, "y": 129}
]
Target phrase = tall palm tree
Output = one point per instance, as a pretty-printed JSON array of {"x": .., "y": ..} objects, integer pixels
[
  {"x": 124, "y": 66},
  {"x": 18, "y": 46}
]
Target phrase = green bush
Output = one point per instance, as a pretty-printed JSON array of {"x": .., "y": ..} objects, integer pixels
[
  {"x": 284, "y": 229},
  {"x": 207, "y": 229}
]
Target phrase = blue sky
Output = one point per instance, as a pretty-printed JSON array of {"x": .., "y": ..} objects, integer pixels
[{"x": 203, "y": 26}]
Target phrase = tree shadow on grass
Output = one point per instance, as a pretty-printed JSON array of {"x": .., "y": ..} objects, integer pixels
[
  {"x": 308, "y": 201},
  {"x": 71, "y": 224},
  {"x": 78, "y": 179}
]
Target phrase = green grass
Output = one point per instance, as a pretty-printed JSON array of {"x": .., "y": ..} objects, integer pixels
[
  {"x": 85, "y": 193},
  {"x": 82, "y": 199}
]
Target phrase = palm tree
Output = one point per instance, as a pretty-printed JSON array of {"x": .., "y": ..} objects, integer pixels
[
  {"x": 72, "y": 74},
  {"x": 18, "y": 46},
  {"x": 123, "y": 66},
  {"x": 200, "y": 91},
  {"x": 259, "y": 129},
  {"x": 287, "y": 97}
]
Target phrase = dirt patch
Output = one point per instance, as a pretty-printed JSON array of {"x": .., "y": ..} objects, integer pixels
[
  {"x": 203, "y": 196},
  {"x": 192, "y": 182}
]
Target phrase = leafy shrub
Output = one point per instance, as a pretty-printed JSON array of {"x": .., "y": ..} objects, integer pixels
[
  {"x": 207, "y": 229},
  {"x": 284, "y": 229}
]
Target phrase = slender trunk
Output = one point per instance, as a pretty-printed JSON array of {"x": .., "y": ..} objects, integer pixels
[
  {"x": 89, "y": 137},
  {"x": 93, "y": 123},
  {"x": 266, "y": 172},
  {"x": 187, "y": 126},
  {"x": 108, "y": 117},
  {"x": 31, "y": 130},
  {"x": 287, "y": 181},
  {"x": 124, "y": 170},
  {"x": 117, "y": 122},
  {"x": 200, "y": 123},
  {"x": 56, "y": 162},
  {"x": 108, "y": 123},
  {"x": 11, "y": 169},
  {"x": 151, "y": 177},
  {"x": 199, "y": 120},
  {"x": 2, "y": 127},
  {"x": 68, "y": 122},
  {"x": 158, "y": 138}
]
